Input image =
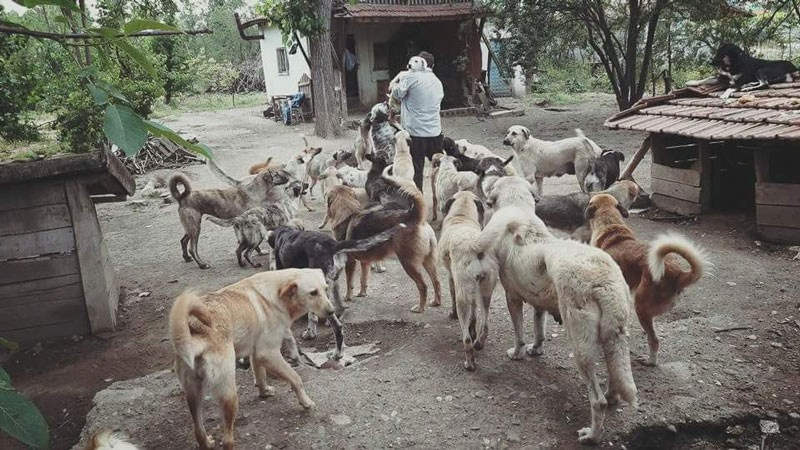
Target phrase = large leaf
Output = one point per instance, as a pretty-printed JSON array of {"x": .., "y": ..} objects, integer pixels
[
  {"x": 5, "y": 380},
  {"x": 69, "y": 4},
  {"x": 100, "y": 96},
  {"x": 20, "y": 418},
  {"x": 8, "y": 344},
  {"x": 137, "y": 25},
  {"x": 10, "y": 23},
  {"x": 161, "y": 131},
  {"x": 124, "y": 128},
  {"x": 137, "y": 56},
  {"x": 106, "y": 32},
  {"x": 111, "y": 90}
]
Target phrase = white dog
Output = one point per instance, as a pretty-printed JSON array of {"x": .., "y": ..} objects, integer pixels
[
  {"x": 449, "y": 180},
  {"x": 415, "y": 64},
  {"x": 538, "y": 159},
  {"x": 475, "y": 151},
  {"x": 352, "y": 176},
  {"x": 570, "y": 280},
  {"x": 403, "y": 165}
]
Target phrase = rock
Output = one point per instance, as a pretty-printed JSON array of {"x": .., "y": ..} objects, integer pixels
[
  {"x": 788, "y": 402},
  {"x": 341, "y": 420},
  {"x": 512, "y": 436},
  {"x": 448, "y": 398},
  {"x": 474, "y": 428},
  {"x": 752, "y": 337},
  {"x": 776, "y": 344},
  {"x": 772, "y": 415},
  {"x": 735, "y": 430},
  {"x": 37, "y": 348},
  {"x": 769, "y": 427},
  {"x": 794, "y": 416},
  {"x": 672, "y": 428},
  {"x": 144, "y": 294},
  {"x": 731, "y": 283},
  {"x": 438, "y": 399}
]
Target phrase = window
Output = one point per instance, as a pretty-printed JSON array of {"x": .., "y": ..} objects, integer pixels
[
  {"x": 380, "y": 56},
  {"x": 283, "y": 61}
]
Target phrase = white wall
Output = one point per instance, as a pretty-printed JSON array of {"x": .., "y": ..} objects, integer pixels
[
  {"x": 277, "y": 83},
  {"x": 366, "y": 35}
]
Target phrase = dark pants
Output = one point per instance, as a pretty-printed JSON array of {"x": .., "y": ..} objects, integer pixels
[{"x": 421, "y": 148}]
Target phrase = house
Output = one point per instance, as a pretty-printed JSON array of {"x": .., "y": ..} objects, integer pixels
[
  {"x": 383, "y": 34},
  {"x": 715, "y": 154}
]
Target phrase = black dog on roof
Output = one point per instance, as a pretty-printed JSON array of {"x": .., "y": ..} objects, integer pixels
[{"x": 743, "y": 72}]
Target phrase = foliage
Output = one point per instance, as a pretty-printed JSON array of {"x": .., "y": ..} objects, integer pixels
[
  {"x": 17, "y": 83},
  {"x": 207, "y": 102},
  {"x": 293, "y": 16},
  {"x": 19, "y": 417},
  {"x": 211, "y": 75},
  {"x": 225, "y": 44}
]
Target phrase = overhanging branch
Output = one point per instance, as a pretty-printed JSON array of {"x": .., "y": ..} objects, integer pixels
[{"x": 70, "y": 36}]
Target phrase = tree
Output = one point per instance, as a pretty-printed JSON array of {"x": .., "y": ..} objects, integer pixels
[{"x": 312, "y": 19}]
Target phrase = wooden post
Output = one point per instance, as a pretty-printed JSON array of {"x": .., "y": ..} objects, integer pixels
[
  {"x": 761, "y": 163},
  {"x": 637, "y": 158},
  {"x": 704, "y": 163}
]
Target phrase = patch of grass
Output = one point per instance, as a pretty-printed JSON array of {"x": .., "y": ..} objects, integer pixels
[
  {"x": 557, "y": 98},
  {"x": 28, "y": 151},
  {"x": 207, "y": 102}
]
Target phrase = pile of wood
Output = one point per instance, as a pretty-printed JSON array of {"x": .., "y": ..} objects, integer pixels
[{"x": 159, "y": 153}]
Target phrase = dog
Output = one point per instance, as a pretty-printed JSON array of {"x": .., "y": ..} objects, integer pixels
[
  {"x": 414, "y": 245},
  {"x": 603, "y": 171},
  {"x": 300, "y": 249},
  {"x": 538, "y": 159},
  {"x": 449, "y": 180},
  {"x": 652, "y": 273},
  {"x": 227, "y": 203},
  {"x": 257, "y": 168},
  {"x": 382, "y": 129},
  {"x": 249, "y": 318},
  {"x": 415, "y": 64},
  {"x": 567, "y": 213},
  {"x": 296, "y": 167},
  {"x": 403, "y": 165},
  {"x": 324, "y": 159},
  {"x": 578, "y": 283},
  {"x": 110, "y": 440},
  {"x": 475, "y": 151},
  {"x": 363, "y": 144},
  {"x": 376, "y": 185},
  {"x": 248, "y": 229},
  {"x": 472, "y": 275}
]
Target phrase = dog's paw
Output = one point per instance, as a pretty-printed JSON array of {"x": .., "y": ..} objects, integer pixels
[
  {"x": 646, "y": 361},
  {"x": 380, "y": 269},
  {"x": 308, "y": 335},
  {"x": 453, "y": 315},
  {"x": 187, "y": 259},
  {"x": 266, "y": 392},
  {"x": 257, "y": 265},
  {"x": 362, "y": 294},
  {"x": 612, "y": 398},
  {"x": 436, "y": 303},
  {"x": 209, "y": 444},
  {"x": 418, "y": 309},
  {"x": 585, "y": 436},
  {"x": 515, "y": 353},
  {"x": 307, "y": 403},
  {"x": 469, "y": 365},
  {"x": 205, "y": 266},
  {"x": 532, "y": 350},
  {"x": 478, "y": 345}
]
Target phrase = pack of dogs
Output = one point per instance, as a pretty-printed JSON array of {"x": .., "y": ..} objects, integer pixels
[{"x": 571, "y": 257}]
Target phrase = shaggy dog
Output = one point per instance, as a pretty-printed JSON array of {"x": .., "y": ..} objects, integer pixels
[
  {"x": 449, "y": 181},
  {"x": 248, "y": 229},
  {"x": 741, "y": 71},
  {"x": 538, "y": 159},
  {"x": 581, "y": 284},
  {"x": 472, "y": 275},
  {"x": 382, "y": 129},
  {"x": 249, "y": 318},
  {"x": 603, "y": 171},
  {"x": 300, "y": 249},
  {"x": 222, "y": 203},
  {"x": 414, "y": 245},
  {"x": 402, "y": 165},
  {"x": 415, "y": 64},
  {"x": 653, "y": 275}
]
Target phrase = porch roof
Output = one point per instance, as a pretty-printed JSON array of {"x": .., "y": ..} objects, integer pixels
[{"x": 410, "y": 11}]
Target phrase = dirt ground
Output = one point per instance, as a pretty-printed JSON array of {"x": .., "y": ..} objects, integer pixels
[{"x": 711, "y": 389}]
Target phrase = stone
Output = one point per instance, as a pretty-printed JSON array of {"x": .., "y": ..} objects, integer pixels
[
  {"x": 794, "y": 416},
  {"x": 341, "y": 420},
  {"x": 776, "y": 344},
  {"x": 512, "y": 436}
]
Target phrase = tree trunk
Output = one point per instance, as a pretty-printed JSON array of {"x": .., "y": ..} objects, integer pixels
[{"x": 325, "y": 84}]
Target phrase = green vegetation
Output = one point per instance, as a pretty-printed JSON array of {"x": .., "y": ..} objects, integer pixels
[{"x": 208, "y": 102}]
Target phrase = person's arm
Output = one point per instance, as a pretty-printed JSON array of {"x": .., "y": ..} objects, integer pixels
[{"x": 401, "y": 90}]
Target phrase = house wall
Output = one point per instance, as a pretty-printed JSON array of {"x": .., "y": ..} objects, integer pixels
[
  {"x": 277, "y": 83},
  {"x": 366, "y": 35}
]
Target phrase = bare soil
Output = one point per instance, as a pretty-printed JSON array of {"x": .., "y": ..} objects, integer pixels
[{"x": 710, "y": 390}]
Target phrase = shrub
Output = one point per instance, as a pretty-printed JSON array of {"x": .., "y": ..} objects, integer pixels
[{"x": 79, "y": 123}]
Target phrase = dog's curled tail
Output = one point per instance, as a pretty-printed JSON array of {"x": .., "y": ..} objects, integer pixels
[
  {"x": 187, "y": 347},
  {"x": 174, "y": 181},
  {"x": 419, "y": 208},
  {"x": 110, "y": 440},
  {"x": 674, "y": 243}
]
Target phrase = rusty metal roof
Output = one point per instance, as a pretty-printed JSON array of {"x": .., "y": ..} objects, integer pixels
[
  {"x": 409, "y": 11},
  {"x": 772, "y": 113}
]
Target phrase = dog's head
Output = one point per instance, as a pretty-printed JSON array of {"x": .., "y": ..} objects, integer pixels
[
  {"x": 304, "y": 292},
  {"x": 449, "y": 160},
  {"x": 493, "y": 166},
  {"x": 517, "y": 136},
  {"x": 417, "y": 64},
  {"x": 273, "y": 177},
  {"x": 449, "y": 146},
  {"x": 625, "y": 191},
  {"x": 463, "y": 200},
  {"x": 727, "y": 57},
  {"x": 601, "y": 204},
  {"x": 294, "y": 189},
  {"x": 436, "y": 159},
  {"x": 379, "y": 113},
  {"x": 403, "y": 139},
  {"x": 343, "y": 157},
  {"x": 508, "y": 191},
  {"x": 380, "y": 160}
]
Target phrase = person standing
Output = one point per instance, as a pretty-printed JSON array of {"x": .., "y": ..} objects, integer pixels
[{"x": 421, "y": 94}]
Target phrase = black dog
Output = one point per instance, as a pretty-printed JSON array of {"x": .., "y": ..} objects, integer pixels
[
  {"x": 603, "y": 171},
  {"x": 741, "y": 71},
  {"x": 376, "y": 185},
  {"x": 300, "y": 249}
]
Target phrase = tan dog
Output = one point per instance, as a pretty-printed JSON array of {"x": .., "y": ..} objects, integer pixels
[
  {"x": 221, "y": 203},
  {"x": 110, "y": 440},
  {"x": 655, "y": 277},
  {"x": 473, "y": 275},
  {"x": 262, "y": 166},
  {"x": 403, "y": 165},
  {"x": 249, "y": 318}
]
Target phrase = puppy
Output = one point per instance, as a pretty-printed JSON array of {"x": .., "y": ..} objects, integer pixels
[
  {"x": 110, "y": 440},
  {"x": 578, "y": 283},
  {"x": 414, "y": 245},
  {"x": 249, "y": 318},
  {"x": 363, "y": 144},
  {"x": 449, "y": 180},
  {"x": 222, "y": 203},
  {"x": 472, "y": 275},
  {"x": 538, "y": 159},
  {"x": 603, "y": 171},
  {"x": 382, "y": 129},
  {"x": 653, "y": 275},
  {"x": 415, "y": 64},
  {"x": 300, "y": 249},
  {"x": 402, "y": 165}
]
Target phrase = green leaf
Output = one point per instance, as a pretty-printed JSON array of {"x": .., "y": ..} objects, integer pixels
[
  {"x": 158, "y": 130},
  {"x": 5, "y": 381},
  {"x": 8, "y": 344},
  {"x": 124, "y": 128},
  {"x": 137, "y": 56},
  {"x": 10, "y": 23},
  {"x": 69, "y": 4},
  {"x": 111, "y": 90},
  {"x": 108, "y": 33},
  {"x": 20, "y": 418},
  {"x": 100, "y": 96},
  {"x": 137, "y": 25}
]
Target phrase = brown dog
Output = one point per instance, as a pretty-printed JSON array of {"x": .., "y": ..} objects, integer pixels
[
  {"x": 250, "y": 318},
  {"x": 655, "y": 277},
  {"x": 222, "y": 203}
]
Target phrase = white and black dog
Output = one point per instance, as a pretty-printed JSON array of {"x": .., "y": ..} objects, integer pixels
[
  {"x": 603, "y": 171},
  {"x": 382, "y": 129},
  {"x": 742, "y": 72}
]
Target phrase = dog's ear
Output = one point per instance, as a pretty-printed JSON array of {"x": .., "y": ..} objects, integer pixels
[
  {"x": 591, "y": 209},
  {"x": 317, "y": 151},
  {"x": 620, "y": 156},
  {"x": 505, "y": 163},
  {"x": 525, "y": 132},
  {"x": 447, "y": 206},
  {"x": 622, "y": 211},
  {"x": 457, "y": 163},
  {"x": 299, "y": 159},
  {"x": 288, "y": 290},
  {"x": 481, "y": 210},
  {"x": 370, "y": 157}
]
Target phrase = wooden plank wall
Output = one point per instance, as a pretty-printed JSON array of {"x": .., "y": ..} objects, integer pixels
[
  {"x": 778, "y": 212},
  {"x": 41, "y": 292},
  {"x": 676, "y": 189}
]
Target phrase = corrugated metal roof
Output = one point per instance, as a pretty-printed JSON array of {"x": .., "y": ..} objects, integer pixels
[
  {"x": 772, "y": 113},
  {"x": 408, "y": 11}
]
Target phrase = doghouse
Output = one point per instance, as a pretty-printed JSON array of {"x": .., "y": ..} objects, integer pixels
[
  {"x": 711, "y": 153},
  {"x": 56, "y": 277}
]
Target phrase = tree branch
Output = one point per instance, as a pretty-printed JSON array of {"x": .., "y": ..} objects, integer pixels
[{"x": 69, "y": 36}]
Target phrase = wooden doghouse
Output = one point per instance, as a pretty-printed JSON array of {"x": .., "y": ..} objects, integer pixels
[
  {"x": 56, "y": 277},
  {"x": 711, "y": 153}
]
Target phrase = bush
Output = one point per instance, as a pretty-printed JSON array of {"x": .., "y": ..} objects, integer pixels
[
  {"x": 574, "y": 78},
  {"x": 79, "y": 123},
  {"x": 212, "y": 76},
  {"x": 17, "y": 84}
]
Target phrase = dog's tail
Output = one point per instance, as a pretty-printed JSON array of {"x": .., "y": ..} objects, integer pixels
[
  {"x": 174, "y": 181},
  {"x": 187, "y": 346},
  {"x": 257, "y": 168},
  {"x": 675, "y": 243},
  {"x": 419, "y": 208},
  {"x": 614, "y": 341},
  {"x": 222, "y": 222},
  {"x": 366, "y": 244},
  {"x": 222, "y": 176},
  {"x": 110, "y": 440}
]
